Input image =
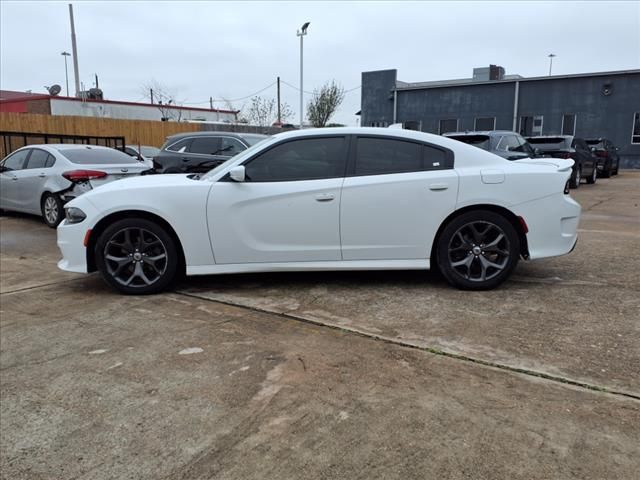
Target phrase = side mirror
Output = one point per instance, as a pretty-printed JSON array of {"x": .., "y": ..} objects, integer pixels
[
  {"x": 237, "y": 174},
  {"x": 3, "y": 168},
  {"x": 593, "y": 149},
  {"x": 537, "y": 151}
]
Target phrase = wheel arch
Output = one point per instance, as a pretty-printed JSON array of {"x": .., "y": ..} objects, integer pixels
[
  {"x": 513, "y": 219},
  {"x": 101, "y": 226}
]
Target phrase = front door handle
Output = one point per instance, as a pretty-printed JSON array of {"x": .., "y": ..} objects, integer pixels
[
  {"x": 438, "y": 186},
  {"x": 14, "y": 178},
  {"x": 42, "y": 175},
  {"x": 325, "y": 197}
]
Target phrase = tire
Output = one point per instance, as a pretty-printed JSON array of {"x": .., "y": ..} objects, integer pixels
[
  {"x": 607, "y": 169},
  {"x": 52, "y": 209},
  {"x": 478, "y": 250},
  {"x": 574, "y": 181},
  {"x": 137, "y": 256},
  {"x": 593, "y": 177},
  {"x": 615, "y": 171}
]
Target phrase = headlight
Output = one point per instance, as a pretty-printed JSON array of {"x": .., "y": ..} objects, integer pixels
[{"x": 74, "y": 215}]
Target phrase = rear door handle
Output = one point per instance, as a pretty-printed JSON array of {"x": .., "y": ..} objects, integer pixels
[
  {"x": 42, "y": 175},
  {"x": 438, "y": 186},
  {"x": 14, "y": 178},
  {"x": 325, "y": 197}
]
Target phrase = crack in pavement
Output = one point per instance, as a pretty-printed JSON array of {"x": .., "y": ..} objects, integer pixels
[{"x": 433, "y": 350}]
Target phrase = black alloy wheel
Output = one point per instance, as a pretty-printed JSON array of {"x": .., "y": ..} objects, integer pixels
[
  {"x": 478, "y": 250},
  {"x": 137, "y": 256}
]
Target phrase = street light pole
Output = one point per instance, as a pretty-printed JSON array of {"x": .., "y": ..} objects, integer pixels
[
  {"x": 551, "y": 55},
  {"x": 66, "y": 72},
  {"x": 301, "y": 33}
]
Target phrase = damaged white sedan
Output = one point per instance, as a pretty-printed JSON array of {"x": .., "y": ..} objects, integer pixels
[
  {"x": 328, "y": 199},
  {"x": 40, "y": 179}
]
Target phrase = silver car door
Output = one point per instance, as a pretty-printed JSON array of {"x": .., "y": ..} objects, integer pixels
[
  {"x": 32, "y": 180},
  {"x": 10, "y": 179}
]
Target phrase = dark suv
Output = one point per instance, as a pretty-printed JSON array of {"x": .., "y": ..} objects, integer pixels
[
  {"x": 199, "y": 152},
  {"x": 568, "y": 146},
  {"x": 608, "y": 154},
  {"x": 504, "y": 143}
]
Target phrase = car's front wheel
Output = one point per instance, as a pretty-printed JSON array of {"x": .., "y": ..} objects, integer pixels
[
  {"x": 52, "y": 209},
  {"x": 593, "y": 177},
  {"x": 137, "y": 256},
  {"x": 478, "y": 250}
]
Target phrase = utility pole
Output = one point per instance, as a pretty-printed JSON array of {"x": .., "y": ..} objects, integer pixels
[
  {"x": 97, "y": 86},
  {"x": 151, "y": 95},
  {"x": 66, "y": 71},
  {"x": 211, "y": 103},
  {"x": 551, "y": 55},
  {"x": 279, "y": 113},
  {"x": 301, "y": 33},
  {"x": 74, "y": 49}
]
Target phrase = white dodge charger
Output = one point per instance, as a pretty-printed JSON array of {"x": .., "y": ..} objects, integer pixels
[{"x": 327, "y": 199}]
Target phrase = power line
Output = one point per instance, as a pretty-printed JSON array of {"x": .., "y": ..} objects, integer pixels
[
  {"x": 311, "y": 93},
  {"x": 232, "y": 99}
]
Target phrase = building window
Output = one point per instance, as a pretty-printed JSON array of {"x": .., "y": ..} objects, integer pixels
[
  {"x": 449, "y": 125},
  {"x": 569, "y": 124},
  {"x": 531, "y": 126},
  {"x": 484, "y": 124},
  {"x": 635, "y": 137}
]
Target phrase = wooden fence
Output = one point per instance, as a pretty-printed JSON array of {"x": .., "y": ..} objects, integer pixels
[{"x": 143, "y": 132}]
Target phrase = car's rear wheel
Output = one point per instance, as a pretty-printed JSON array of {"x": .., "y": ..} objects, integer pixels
[
  {"x": 478, "y": 250},
  {"x": 607, "y": 169},
  {"x": 52, "y": 209},
  {"x": 615, "y": 171},
  {"x": 137, "y": 256},
  {"x": 576, "y": 176},
  {"x": 593, "y": 177}
]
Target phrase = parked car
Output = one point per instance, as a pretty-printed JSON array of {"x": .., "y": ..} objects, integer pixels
[
  {"x": 504, "y": 143},
  {"x": 608, "y": 154},
  {"x": 199, "y": 152},
  {"x": 143, "y": 153},
  {"x": 568, "y": 146},
  {"x": 39, "y": 179},
  {"x": 328, "y": 199}
]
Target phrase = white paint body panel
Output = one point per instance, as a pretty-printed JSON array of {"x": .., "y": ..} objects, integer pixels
[{"x": 372, "y": 222}]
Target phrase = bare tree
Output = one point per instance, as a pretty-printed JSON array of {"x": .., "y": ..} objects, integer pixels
[
  {"x": 263, "y": 111},
  {"x": 164, "y": 99},
  {"x": 324, "y": 103}
]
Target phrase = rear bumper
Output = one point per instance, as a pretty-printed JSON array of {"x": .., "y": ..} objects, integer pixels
[{"x": 553, "y": 225}]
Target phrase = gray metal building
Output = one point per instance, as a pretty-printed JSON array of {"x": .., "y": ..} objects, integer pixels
[{"x": 603, "y": 104}]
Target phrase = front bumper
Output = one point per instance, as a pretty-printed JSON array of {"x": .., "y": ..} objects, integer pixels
[
  {"x": 553, "y": 225},
  {"x": 71, "y": 244}
]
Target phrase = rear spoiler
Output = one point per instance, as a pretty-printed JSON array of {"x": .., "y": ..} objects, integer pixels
[{"x": 562, "y": 164}]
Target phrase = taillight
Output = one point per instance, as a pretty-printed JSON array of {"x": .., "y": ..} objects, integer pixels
[
  {"x": 566, "y": 188},
  {"x": 602, "y": 153},
  {"x": 564, "y": 155},
  {"x": 83, "y": 175}
]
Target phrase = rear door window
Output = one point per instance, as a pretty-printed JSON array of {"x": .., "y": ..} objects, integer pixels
[
  {"x": 38, "y": 159},
  {"x": 205, "y": 145},
  {"x": 380, "y": 156},
  {"x": 231, "y": 146}
]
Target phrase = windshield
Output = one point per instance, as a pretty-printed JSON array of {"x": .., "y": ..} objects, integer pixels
[
  {"x": 480, "y": 141},
  {"x": 97, "y": 156},
  {"x": 149, "y": 151},
  {"x": 248, "y": 151}
]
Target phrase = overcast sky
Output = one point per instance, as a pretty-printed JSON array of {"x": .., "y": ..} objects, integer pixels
[{"x": 233, "y": 49}]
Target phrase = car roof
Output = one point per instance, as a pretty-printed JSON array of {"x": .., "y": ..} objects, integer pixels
[
  {"x": 65, "y": 146},
  {"x": 213, "y": 133}
]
